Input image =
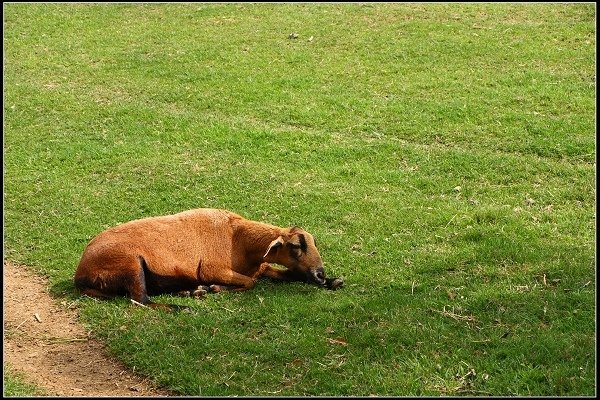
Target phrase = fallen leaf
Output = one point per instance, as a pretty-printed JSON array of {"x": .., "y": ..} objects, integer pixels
[
  {"x": 529, "y": 201},
  {"x": 337, "y": 341}
]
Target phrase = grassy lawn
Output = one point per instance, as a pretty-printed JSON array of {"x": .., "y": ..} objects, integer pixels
[{"x": 442, "y": 154}]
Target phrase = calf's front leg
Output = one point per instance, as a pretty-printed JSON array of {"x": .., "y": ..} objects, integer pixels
[{"x": 229, "y": 280}]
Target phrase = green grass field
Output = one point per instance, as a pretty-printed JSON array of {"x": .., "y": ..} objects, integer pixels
[{"x": 442, "y": 154}]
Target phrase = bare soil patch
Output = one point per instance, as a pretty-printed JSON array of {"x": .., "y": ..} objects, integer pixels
[{"x": 44, "y": 341}]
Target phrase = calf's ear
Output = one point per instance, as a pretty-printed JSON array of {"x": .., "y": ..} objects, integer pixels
[
  {"x": 299, "y": 242},
  {"x": 274, "y": 245}
]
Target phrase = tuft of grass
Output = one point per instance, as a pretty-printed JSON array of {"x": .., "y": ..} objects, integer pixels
[
  {"x": 442, "y": 154},
  {"x": 15, "y": 385}
]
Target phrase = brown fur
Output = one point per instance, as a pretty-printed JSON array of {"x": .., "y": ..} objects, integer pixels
[{"x": 198, "y": 247}]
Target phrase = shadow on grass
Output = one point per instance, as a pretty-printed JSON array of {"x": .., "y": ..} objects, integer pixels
[{"x": 64, "y": 288}]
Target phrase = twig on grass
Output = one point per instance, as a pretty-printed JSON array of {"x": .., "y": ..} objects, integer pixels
[
  {"x": 138, "y": 303},
  {"x": 451, "y": 219},
  {"x": 90, "y": 297},
  {"x": 457, "y": 317}
]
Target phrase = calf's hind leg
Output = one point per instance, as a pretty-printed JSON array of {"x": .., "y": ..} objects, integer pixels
[
  {"x": 129, "y": 279},
  {"x": 97, "y": 277},
  {"x": 138, "y": 289}
]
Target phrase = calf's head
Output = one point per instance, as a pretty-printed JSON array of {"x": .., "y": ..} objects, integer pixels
[{"x": 296, "y": 249}]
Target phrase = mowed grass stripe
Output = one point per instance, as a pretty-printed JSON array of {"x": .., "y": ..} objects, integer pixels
[{"x": 419, "y": 87}]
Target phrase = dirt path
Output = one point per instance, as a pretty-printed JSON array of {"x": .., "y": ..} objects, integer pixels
[{"x": 43, "y": 340}]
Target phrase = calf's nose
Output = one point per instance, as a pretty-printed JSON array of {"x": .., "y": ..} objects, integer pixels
[{"x": 319, "y": 275}]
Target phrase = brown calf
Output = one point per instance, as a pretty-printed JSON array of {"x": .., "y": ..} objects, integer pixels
[{"x": 194, "y": 249}]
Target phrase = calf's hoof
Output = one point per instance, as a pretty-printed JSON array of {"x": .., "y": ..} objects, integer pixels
[
  {"x": 198, "y": 293},
  {"x": 334, "y": 283},
  {"x": 214, "y": 288}
]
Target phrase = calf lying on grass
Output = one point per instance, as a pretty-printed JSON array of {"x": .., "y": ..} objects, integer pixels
[{"x": 198, "y": 250}]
